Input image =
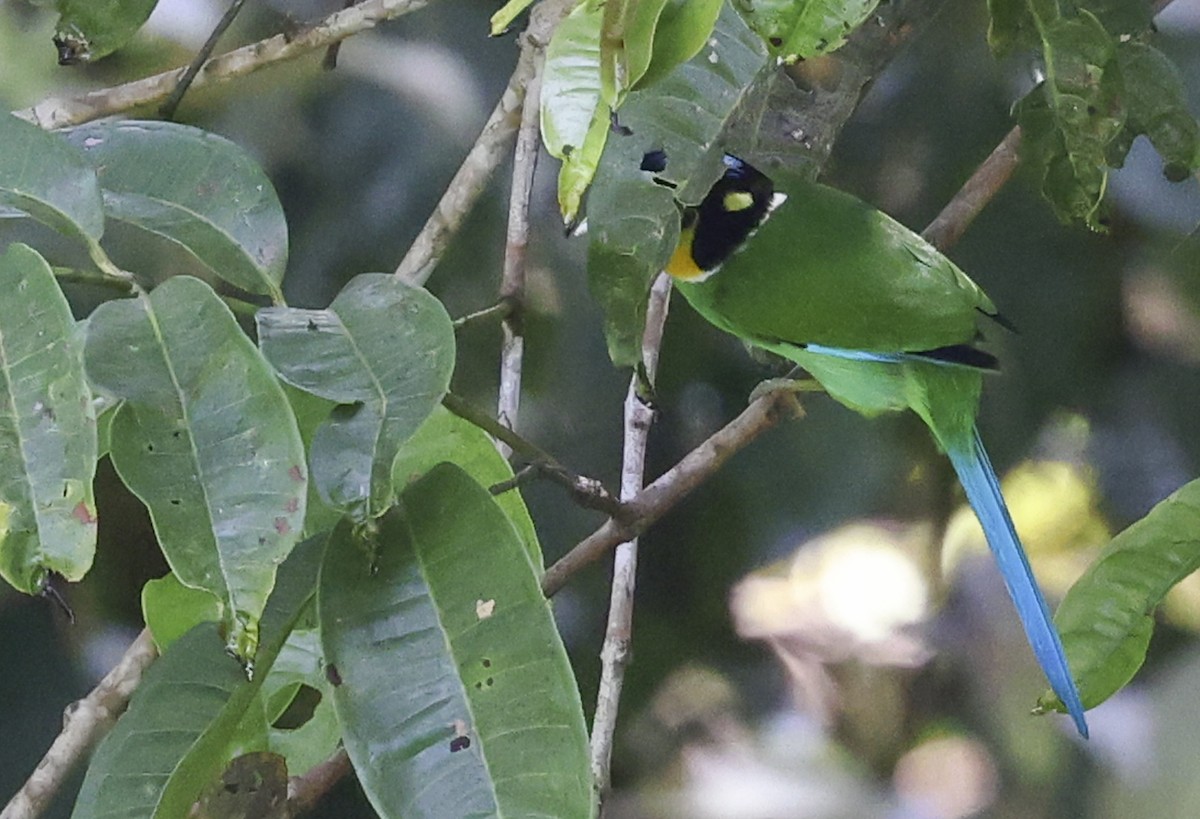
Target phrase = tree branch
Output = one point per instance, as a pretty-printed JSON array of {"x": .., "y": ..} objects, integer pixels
[
  {"x": 587, "y": 492},
  {"x": 485, "y": 155},
  {"x": 57, "y": 112},
  {"x": 84, "y": 723},
  {"x": 987, "y": 180},
  {"x": 618, "y": 635},
  {"x": 656, "y": 499},
  {"x": 512, "y": 282},
  {"x": 304, "y": 792}
]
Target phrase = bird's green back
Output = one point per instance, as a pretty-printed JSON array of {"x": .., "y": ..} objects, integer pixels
[{"x": 826, "y": 268}]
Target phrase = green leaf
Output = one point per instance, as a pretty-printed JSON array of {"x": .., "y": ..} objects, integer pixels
[
  {"x": 197, "y": 191},
  {"x": 42, "y": 175},
  {"x": 1156, "y": 99},
  {"x": 311, "y": 411},
  {"x": 626, "y": 45},
  {"x": 446, "y": 437},
  {"x": 177, "y": 734},
  {"x": 573, "y": 118},
  {"x": 579, "y": 168},
  {"x": 799, "y": 29},
  {"x": 1069, "y": 120},
  {"x": 88, "y": 30},
  {"x": 456, "y": 697},
  {"x": 1103, "y": 88},
  {"x": 633, "y": 225},
  {"x": 172, "y": 609},
  {"x": 47, "y": 429},
  {"x": 206, "y": 439},
  {"x": 503, "y": 18},
  {"x": 1107, "y": 616},
  {"x": 682, "y": 30},
  {"x": 296, "y": 679},
  {"x": 384, "y": 351}
]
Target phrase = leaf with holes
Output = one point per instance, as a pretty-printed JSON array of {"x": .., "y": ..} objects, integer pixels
[
  {"x": 799, "y": 29},
  {"x": 454, "y": 691},
  {"x": 196, "y": 192},
  {"x": 384, "y": 351},
  {"x": 182, "y": 722},
  {"x": 299, "y": 704},
  {"x": 47, "y": 429},
  {"x": 206, "y": 439},
  {"x": 632, "y": 224}
]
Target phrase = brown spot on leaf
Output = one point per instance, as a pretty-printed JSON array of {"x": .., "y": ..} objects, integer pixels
[
  {"x": 84, "y": 514},
  {"x": 282, "y": 526},
  {"x": 292, "y": 505},
  {"x": 459, "y": 744},
  {"x": 333, "y": 675},
  {"x": 296, "y": 474}
]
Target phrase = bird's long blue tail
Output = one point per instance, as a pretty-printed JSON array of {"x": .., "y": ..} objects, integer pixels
[{"x": 983, "y": 491}]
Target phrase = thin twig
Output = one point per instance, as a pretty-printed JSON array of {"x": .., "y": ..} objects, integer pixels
[
  {"x": 57, "y": 112},
  {"x": 84, "y": 722},
  {"x": 167, "y": 109},
  {"x": 304, "y": 792},
  {"x": 618, "y": 634},
  {"x": 499, "y": 310},
  {"x": 512, "y": 282},
  {"x": 672, "y": 486},
  {"x": 485, "y": 155},
  {"x": 587, "y": 492}
]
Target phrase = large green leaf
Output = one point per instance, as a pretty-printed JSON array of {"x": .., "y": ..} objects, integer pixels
[
  {"x": 799, "y": 29},
  {"x": 177, "y": 734},
  {"x": 90, "y": 29},
  {"x": 455, "y": 697},
  {"x": 206, "y": 439},
  {"x": 384, "y": 351},
  {"x": 1107, "y": 617},
  {"x": 46, "y": 177},
  {"x": 632, "y": 224},
  {"x": 47, "y": 429},
  {"x": 446, "y": 437},
  {"x": 197, "y": 191},
  {"x": 574, "y": 119}
]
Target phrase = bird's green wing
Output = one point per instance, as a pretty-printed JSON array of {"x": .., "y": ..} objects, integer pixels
[{"x": 826, "y": 268}]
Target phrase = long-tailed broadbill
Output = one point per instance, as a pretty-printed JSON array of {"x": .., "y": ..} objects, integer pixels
[{"x": 876, "y": 315}]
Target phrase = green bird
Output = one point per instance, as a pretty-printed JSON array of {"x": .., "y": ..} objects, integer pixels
[{"x": 876, "y": 315}]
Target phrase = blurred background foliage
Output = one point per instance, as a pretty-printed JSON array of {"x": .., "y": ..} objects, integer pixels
[{"x": 845, "y": 678}]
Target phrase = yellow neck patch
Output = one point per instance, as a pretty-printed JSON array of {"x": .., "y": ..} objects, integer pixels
[{"x": 681, "y": 265}]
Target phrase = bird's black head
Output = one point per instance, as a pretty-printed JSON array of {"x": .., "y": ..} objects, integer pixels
[{"x": 732, "y": 209}]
